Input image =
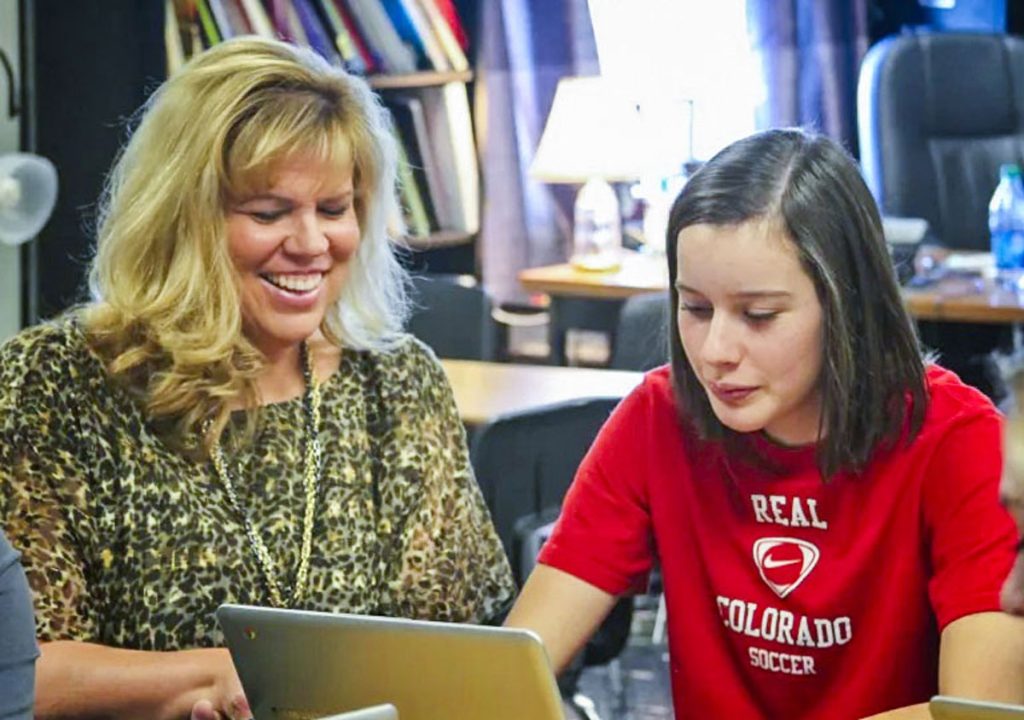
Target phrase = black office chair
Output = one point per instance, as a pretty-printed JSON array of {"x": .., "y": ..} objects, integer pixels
[
  {"x": 642, "y": 333},
  {"x": 452, "y": 315},
  {"x": 524, "y": 464},
  {"x": 937, "y": 115}
]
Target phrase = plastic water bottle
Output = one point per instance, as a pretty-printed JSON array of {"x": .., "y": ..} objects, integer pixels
[
  {"x": 1006, "y": 223},
  {"x": 597, "y": 227}
]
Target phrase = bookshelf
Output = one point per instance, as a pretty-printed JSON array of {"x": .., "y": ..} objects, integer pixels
[{"x": 414, "y": 53}]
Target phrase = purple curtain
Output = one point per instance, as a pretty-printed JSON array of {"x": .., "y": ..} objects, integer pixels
[
  {"x": 810, "y": 53},
  {"x": 525, "y": 47}
]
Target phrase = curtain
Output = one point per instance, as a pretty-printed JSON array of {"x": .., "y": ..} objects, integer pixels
[
  {"x": 810, "y": 53},
  {"x": 525, "y": 47}
]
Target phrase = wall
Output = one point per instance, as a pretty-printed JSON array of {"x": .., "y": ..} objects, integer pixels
[{"x": 10, "y": 257}]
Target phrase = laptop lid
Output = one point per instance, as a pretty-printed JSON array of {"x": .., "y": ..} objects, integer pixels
[
  {"x": 943, "y": 707},
  {"x": 305, "y": 665}
]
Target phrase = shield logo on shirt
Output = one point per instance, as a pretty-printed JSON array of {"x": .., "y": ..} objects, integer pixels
[{"x": 784, "y": 563}]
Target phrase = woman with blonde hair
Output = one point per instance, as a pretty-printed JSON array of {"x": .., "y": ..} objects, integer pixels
[{"x": 237, "y": 416}]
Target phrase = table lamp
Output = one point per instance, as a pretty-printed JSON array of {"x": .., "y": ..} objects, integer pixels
[{"x": 589, "y": 139}]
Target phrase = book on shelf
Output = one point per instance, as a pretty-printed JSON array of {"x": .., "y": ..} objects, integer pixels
[
  {"x": 450, "y": 127},
  {"x": 448, "y": 44},
  {"x": 451, "y": 16},
  {"x": 411, "y": 125},
  {"x": 380, "y": 34},
  {"x": 210, "y": 34},
  {"x": 174, "y": 44},
  {"x": 258, "y": 19},
  {"x": 315, "y": 34},
  {"x": 370, "y": 57},
  {"x": 230, "y": 18},
  {"x": 414, "y": 27},
  {"x": 334, "y": 24},
  {"x": 413, "y": 207}
]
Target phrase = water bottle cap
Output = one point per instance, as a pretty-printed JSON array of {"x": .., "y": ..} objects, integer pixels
[{"x": 1009, "y": 170}]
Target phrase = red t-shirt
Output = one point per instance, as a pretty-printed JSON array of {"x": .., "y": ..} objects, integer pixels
[{"x": 788, "y": 596}]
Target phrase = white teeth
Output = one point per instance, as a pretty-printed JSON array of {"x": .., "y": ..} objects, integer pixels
[{"x": 295, "y": 283}]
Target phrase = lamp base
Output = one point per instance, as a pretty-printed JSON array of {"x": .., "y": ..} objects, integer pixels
[
  {"x": 597, "y": 228},
  {"x": 598, "y": 262}
]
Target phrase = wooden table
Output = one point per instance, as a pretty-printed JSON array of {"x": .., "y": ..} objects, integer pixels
[
  {"x": 639, "y": 273},
  {"x": 485, "y": 390},
  {"x": 955, "y": 299}
]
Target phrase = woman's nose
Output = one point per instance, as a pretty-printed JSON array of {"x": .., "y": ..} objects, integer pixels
[{"x": 307, "y": 237}]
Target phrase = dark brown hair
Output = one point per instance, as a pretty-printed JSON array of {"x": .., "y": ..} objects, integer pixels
[{"x": 872, "y": 379}]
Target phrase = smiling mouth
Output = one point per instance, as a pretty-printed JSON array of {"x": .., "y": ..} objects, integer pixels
[{"x": 297, "y": 284}]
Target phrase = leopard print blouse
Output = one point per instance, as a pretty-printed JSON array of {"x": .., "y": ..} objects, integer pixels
[{"x": 131, "y": 544}]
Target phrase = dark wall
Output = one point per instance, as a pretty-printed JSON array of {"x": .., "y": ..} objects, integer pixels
[
  {"x": 94, "y": 63},
  {"x": 888, "y": 17}
]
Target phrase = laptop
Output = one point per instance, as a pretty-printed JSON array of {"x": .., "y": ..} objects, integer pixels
[
  {"x": 377, "y": 712},
  {"x": 297, "y": 665},
  {"x": 943, "y": 707}
]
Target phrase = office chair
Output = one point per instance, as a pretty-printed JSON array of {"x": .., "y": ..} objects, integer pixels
[
  {"x": 937, "y": 114},
  {"x": 524, "y": 464},
  {"x": 642, "y": 333},
  {"x": 452, "y": 315}
]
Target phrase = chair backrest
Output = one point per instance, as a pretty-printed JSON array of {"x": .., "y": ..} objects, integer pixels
[
  {"x": 641, "y": 334},
  {"x": 453, "y": 317},
  {"x": 937, "y": 115},
  {"x": 525, "y": 462}
]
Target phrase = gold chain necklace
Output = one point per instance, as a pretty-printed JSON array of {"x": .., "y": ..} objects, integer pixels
[{"x": 311, "y": 477}]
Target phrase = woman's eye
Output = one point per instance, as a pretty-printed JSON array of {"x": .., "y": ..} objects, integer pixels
[
  {"x": 266, "y": 216},
  {"x": 334, "y": 212},
  {"x": 758, "y": 316}
]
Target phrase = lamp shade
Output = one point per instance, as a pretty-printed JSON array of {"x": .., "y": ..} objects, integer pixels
[
  {"x": 591, "y": 132},
  {"x": 28, "y": 191}
]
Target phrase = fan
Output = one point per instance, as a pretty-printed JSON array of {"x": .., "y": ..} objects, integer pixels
[{"x": 28, "y": 191}]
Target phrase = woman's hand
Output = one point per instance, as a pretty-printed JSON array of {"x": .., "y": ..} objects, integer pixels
[
  {"x": 77, "y": 679},
  {"x": 224, "y": 699}
]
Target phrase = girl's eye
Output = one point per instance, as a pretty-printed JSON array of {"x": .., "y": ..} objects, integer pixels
[
  {"x": 698, "y": 311},
  {"x": 759, "y": 316}
]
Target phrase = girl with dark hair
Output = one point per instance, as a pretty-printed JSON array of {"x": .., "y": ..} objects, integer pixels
[{"x": 823, "y": 502}]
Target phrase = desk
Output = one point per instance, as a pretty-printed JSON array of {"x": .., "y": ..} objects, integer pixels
[
  {"x": 591, "y": 300},
  {"x": 950, "y": 300},
  {"x": 971, "y": 300},
  {"x": 485, "y": 390}
]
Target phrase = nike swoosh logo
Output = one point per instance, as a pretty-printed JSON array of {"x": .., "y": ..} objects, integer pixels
[{"x": 769, "y": 563}]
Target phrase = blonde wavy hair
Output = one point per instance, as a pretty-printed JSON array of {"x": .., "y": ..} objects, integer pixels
[{"x": 166, "y": 315}]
